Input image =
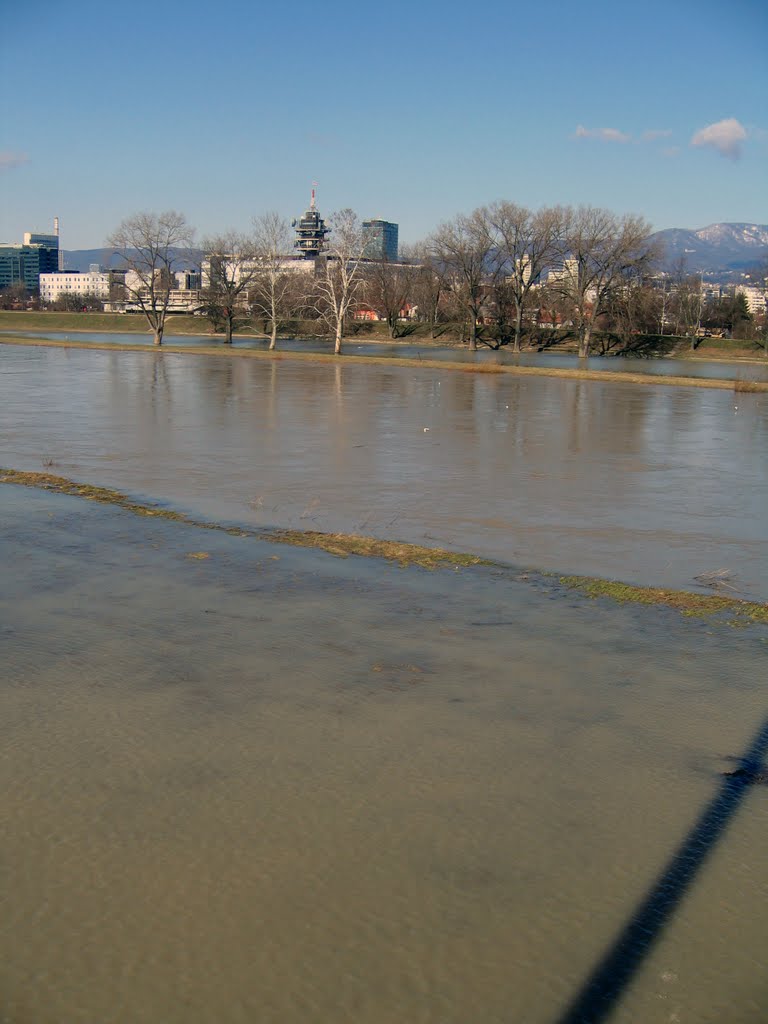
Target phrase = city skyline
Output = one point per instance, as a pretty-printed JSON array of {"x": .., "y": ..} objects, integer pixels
[{"x": 410, "y": 115}]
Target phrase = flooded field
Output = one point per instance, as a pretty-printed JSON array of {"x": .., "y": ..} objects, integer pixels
[
  {"x": 650, "y": 485},
  {"x": 748, "y": 370},
  {"x": 244, "y": 782}
]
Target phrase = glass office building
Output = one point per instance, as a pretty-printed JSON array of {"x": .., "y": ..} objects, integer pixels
[
  {"x": 25, "y": 263},
  {"x": 380, "y": 240}
]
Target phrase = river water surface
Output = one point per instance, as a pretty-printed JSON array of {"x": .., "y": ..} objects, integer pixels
[
  {"x": 245, "y": 782},
  {"x": 756, "y": 369},
  {"x": 654, "y": 485}
]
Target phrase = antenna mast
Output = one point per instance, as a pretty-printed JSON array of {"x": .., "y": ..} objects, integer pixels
[{"x": 59, "y": 250}]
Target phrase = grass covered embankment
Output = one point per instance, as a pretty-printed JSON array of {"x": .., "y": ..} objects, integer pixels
[
  {"x": 739, "y": 611},
  {"x": 450, "y": 334}
]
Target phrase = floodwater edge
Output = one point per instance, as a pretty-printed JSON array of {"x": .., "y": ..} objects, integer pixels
[
  {"x": 607, "y": 376},
  {"x": 727, "y": 610}
]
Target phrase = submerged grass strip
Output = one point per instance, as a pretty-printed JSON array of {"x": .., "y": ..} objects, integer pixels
[
  {"x": 340, "y": 544},
  {"x": 344, "y": 544},
  {"x": 226, "y": 351},
  {"x": 681, "y": 600},
  {"x": 396, "y": 551}
]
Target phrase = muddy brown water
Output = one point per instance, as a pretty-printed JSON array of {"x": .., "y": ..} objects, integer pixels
[
  {"x": 244, "y": 782},
  {"x": 653, "y": 485},
  {"x": 755, "y": 369}
]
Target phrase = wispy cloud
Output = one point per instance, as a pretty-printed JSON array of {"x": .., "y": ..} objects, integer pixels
[
  {"x": 9, "y": 159},
  {"x": 725, "y": 136},
  {"x": 603, "y": 134},
  {"x": 652, "y": 134}
]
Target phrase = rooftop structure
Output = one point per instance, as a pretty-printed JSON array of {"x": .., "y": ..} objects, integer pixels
[{"x": 310, "y": 232}]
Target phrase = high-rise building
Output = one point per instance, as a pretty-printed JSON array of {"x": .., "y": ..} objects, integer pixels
[
  {"x": 23, "y": 264},
  {"x": 380, "y": 238},
  {"x": 310, "y": 232}
]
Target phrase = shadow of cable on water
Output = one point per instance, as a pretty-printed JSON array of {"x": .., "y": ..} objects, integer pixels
[{"x": 604, "y": 987}]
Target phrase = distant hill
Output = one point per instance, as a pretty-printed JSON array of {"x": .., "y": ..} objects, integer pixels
[
  {"x": 718, "y": 249},
  {"x": 81, "y": 259}
]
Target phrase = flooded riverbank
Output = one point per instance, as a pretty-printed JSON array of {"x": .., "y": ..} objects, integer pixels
[
  {"x": 699, "y": 369},
  {"x": 653, "y": 486},
  {"x": 254, "y": 782}
]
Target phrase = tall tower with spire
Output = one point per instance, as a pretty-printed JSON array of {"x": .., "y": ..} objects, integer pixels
[{"x": 310, "y": 231}]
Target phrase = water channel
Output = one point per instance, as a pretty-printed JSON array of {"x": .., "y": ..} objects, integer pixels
[
  {"x": 756, "y": 369},
  {"x": 653, "y": 485}
]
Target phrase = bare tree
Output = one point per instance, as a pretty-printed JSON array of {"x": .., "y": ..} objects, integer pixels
[
  {"x": 388, "y": 289},
  {"x": 634, "y": 315},
  {"x": 229, "y": 268},
  {"x": 687, "y": 302},
  {"x": 604, "y": 251},
  {"x": 152, "y": 246},
  {"x": 428, "y": 287},
  {"x": 14, "y": 296},
  {"x": 274, "y": 289},
  {"x": 340, "y": 275},
  {"x": 461, "y": 248},
  {"x": 523, "y": 245}
]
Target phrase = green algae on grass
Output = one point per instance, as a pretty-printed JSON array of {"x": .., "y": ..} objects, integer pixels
[
  {"x": 103, "y": 495},
  {"x": 344, "y": 544},
  {"x": 340, "y": 544},
  {"x": 686, "y": 602}
]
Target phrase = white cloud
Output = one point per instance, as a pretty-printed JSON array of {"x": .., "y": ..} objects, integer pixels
[
  {"x": 724, "y": 136},
  {"x": 604, "y": 134},
  {"x": 8, "y": 159}
]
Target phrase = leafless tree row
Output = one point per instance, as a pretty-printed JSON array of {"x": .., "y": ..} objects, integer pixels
[
  {"x": 504, "y": 273},
  {"x": 494, "y": 261}
]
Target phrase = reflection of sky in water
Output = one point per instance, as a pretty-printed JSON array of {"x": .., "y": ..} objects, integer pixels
[
  {"x": 654, "y": 485},
  {"x": 273, "y": 785}
]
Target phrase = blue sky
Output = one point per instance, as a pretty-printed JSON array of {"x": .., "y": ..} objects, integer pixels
[{"x": 408, "y": 111}]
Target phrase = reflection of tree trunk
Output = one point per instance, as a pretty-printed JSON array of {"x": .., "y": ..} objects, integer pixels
[
  {"x": 584, "y": 340},
  {"x": 518, "y": 328}
]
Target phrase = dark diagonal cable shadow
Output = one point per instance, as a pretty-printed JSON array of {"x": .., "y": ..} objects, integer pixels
[{"x": 606, "y": 984}]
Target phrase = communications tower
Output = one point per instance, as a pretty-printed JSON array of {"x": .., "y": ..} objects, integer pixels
[{"x": 310, "y": 231}]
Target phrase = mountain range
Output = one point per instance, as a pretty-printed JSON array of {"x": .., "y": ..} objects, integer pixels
[
  {"x": 81, "y": 259},
  {"x": 718, "y": 250}
]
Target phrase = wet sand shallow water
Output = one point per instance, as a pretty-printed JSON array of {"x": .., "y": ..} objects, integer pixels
[{"x": 244, "y": 782}]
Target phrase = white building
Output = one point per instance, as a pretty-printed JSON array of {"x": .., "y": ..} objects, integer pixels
[
  {"x": 756, "y": 298},
  {"x": 95, "y": 282},
  {"x": 565, "y": 274}
]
